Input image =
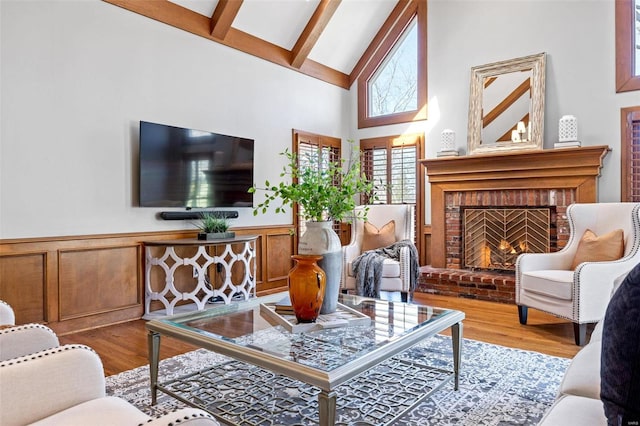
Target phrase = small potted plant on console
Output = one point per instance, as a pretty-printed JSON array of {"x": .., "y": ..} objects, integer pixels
[{"x": 214, "y": 227}]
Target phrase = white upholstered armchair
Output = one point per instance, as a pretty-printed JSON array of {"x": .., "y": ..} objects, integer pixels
[
  {"x": 546, "y": 281},
  {"x": 18, "y": 340},
  {"x": 7, "y": 316},
  {"x": 395, "y": 274},
  {"x": 66, "y": 386}
]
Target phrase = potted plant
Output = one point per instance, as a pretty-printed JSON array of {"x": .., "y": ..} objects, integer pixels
[
  {"x": 324, "y": 195},
  {"x": 213, "y": 227}
]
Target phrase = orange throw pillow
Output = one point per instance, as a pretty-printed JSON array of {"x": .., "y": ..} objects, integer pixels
[
  {"x": 374, "y": 238},
  {"x": 592, "y": 248}
]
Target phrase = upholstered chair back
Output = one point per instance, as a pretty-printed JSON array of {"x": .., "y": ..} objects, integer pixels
[
  {"x": 380, "y": 214},
  {"x": 602, "y": 218}
]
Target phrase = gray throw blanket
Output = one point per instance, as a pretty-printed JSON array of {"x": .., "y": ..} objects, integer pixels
[{"x": 368, "y": 267}]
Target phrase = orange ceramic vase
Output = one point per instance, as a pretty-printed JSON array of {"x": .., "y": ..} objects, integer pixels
[{"x": 306, "y": 287}]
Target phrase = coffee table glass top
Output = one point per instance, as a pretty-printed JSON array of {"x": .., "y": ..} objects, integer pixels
[{"x": 242, "y": 327}]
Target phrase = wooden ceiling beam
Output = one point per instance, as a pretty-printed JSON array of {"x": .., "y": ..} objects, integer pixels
[
  {"x": 185, "y": 19},
  {"x": 312, "y": 31},
  {"x": 223, "y": 17}
]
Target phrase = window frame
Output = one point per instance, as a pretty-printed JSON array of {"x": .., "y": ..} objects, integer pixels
[
  {"x": 417, "y": 10},
  {"x": 626, "y": 80},
  {"x": 627, "y": 116},
  {"x": 321, "y": 142},
  {"x": 389, "y": 144}
]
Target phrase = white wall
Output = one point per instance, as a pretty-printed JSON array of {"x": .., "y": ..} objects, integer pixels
[
  {"x": 579, "y": 39},
  {"x": 78, "y": 76}
]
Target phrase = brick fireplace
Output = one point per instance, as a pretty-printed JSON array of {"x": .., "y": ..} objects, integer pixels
[{"x": 552, "y": 179}]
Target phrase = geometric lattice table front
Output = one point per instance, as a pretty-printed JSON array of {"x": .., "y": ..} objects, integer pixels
[{"x": 235, "y": 263}]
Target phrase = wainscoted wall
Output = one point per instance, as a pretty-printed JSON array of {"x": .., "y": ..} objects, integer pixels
[{"x": 76, "y": 283}]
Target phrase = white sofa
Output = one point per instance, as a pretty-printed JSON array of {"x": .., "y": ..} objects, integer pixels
[
  {"x": 578, "y": 401},
  {"x": 66, "y": 386}
]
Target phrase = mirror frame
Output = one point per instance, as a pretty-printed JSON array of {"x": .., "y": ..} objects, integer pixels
[{"x": 535, "y": 63}]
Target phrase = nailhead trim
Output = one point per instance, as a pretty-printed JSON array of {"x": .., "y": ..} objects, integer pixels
[
  {"x": 179, "y": 420},
  {"x": 42, "y": 354},
  {"x": 17, "y": 328}
]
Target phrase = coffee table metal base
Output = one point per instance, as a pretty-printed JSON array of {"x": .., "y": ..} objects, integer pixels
[{"x": 242, "y": 394}]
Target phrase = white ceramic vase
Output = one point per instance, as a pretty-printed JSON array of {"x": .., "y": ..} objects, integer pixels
[{"x": 321, "y": 239}]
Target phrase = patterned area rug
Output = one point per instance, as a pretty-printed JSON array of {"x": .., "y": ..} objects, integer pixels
[{"x": 498, "y": 386}]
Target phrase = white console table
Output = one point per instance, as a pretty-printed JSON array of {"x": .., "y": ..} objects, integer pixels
[{"x": 170, "y": 261}]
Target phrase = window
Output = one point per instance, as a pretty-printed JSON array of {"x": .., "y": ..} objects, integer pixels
[
  {"x": 393, "y": 86},
  {"x": 392, "y": 165},
  {"x": 315, "y": 151},
  {"x": 630, "y": 155},
  {"x": 627, "y": 45}
]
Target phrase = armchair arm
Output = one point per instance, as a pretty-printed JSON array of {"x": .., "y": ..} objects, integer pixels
[
  {"x": 182, "y": 416},
  {"x": 41, "y": 384},
  {"x": 544, "y": 261},
  {"x": 26, "y": 339},
  {"x": 595, "y": 282},
  {"x": 405, "y": 269},
  {"x": 349, "y": 252}
]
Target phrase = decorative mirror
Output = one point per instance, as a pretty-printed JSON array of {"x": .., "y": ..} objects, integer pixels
[{"x": 506, "y": 105}]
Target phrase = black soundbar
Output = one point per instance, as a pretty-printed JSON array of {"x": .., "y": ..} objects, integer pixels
[{"x": 197, "y": 214}]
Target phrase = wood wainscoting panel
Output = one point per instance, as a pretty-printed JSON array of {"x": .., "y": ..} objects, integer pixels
[
  {"x": 23, "y": 280},
  {"x": 281, "y": 247},
  {"x": 98, "y": 280},
  {"x": 75, "y": 283}
]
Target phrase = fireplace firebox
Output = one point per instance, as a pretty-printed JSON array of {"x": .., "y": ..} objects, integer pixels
[{"x": 494, "y": 237}]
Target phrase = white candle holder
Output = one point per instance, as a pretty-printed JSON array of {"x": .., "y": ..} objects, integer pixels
[
  {"x": 448, "y": 140},
  {"x": 568, "y": 129}
]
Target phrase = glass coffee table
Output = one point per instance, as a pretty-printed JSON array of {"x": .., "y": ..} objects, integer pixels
[{"x": 321, "y": 359}]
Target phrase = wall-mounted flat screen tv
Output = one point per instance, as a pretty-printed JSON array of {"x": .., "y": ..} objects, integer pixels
[{"x": 194, "y": 169}]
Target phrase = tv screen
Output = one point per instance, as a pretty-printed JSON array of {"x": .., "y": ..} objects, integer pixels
[{"x": 193, "y": 168}]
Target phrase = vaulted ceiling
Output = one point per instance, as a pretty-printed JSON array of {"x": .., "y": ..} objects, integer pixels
[{"x": 331, "y": 40}]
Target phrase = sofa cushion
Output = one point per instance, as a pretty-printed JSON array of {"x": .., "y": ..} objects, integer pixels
[
  {"x": 574, "y": 410},
  {"x": 582, "y": 378},
  {"x": 554, "y": 283},
  {"x": 620, "y": 363},
  {"x": 374, "y": 238},
  {"x": 596, "y": 334},
  {"x": 592, "y": 248}
]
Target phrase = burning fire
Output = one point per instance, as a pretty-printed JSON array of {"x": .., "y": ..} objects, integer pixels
[{"x": 506, "y": 247}]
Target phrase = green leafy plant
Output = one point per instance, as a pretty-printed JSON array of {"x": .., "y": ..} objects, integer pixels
[
  {"x": 324, "y": 194},
  {"x": 211, "y": 223}
]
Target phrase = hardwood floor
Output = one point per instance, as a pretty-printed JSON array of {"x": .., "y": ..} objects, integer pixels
[{"x": 124, "y": 346}]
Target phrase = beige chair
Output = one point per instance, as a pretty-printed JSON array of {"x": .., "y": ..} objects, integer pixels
[
  {"x": 395, "y": 274},
  {"x": 546, "y": 282},
  {"x": 18, "y": 340},
  {"x": 66, "y": 386}
]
